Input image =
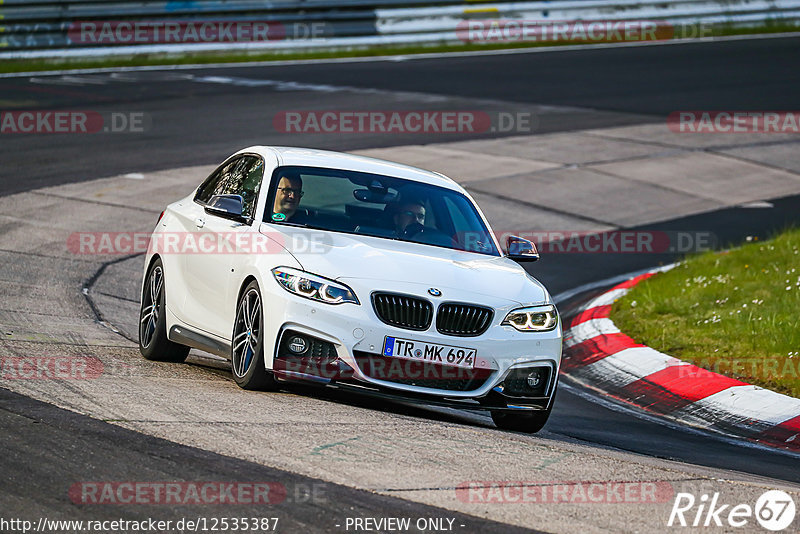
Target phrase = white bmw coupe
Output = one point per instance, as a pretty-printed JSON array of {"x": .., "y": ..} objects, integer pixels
[{"x": 356, "y": 273}]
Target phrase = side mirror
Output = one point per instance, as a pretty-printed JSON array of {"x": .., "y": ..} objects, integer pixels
[
  {"x": 521, "y": 249},
  {"x": 227, "y": 206}
]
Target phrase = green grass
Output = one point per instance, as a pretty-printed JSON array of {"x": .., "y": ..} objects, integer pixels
[
  {"x": 200, "y": 58},
  {"x": 735, "y": 312}
]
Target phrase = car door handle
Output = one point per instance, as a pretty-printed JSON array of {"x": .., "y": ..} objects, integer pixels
[{"x": 200, "y": 222}]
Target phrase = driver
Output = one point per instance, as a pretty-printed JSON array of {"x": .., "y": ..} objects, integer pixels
[
  {"x": 411, "y": 212},
  {"x": 287, "y": 200}
]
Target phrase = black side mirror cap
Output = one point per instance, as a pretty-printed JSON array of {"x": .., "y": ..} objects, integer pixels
[{"x": 227, "y": 206}]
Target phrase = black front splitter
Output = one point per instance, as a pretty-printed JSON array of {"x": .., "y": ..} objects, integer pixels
[{"x": 493, "y": 401}]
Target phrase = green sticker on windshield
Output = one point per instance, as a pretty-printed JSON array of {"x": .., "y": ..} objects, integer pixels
[{"x": 278, "y": 216}]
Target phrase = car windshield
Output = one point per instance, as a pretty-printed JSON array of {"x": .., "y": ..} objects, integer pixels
[{"x": 378, "y": 206}]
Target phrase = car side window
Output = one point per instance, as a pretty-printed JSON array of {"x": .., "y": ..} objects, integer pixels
[
  {"x": 252, "y": 175},
  {"x": 217, "y": 182},
  {"x": 240, "y": 176}
]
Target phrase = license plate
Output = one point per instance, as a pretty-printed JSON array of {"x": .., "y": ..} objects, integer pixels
[{"x": 409, "y": 349}]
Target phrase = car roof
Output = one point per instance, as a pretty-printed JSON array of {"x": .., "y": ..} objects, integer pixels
[{"x": 311, "y": 157}]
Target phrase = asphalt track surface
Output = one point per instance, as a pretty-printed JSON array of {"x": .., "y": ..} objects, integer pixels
[
  {"x": 202, "y": 122},
  {"x": 74, "y": 442},
  {"x": 198, "y": 122}
]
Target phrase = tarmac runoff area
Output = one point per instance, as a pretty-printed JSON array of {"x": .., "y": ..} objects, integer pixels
[{"x": 584, "y": 181}]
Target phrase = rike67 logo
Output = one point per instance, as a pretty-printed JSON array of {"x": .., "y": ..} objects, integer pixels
[{"x": 774, "y": 510}]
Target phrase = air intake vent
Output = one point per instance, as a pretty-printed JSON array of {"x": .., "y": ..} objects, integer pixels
[
  {"x": 463, "y": 319},
  {"x": 421, "y": 374},
  {"x": 403, "y": 311}
]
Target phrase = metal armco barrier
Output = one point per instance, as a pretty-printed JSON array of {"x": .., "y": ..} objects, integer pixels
[{"x": 39, "y": 28}]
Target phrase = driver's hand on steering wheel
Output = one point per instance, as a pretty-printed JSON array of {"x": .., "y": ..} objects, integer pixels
[{"x": 412, "y": 229}]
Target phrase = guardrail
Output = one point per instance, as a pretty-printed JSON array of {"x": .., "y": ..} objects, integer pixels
[{"x": 39, "y": 28}]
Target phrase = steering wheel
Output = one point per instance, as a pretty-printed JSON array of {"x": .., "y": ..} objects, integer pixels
[{"x": 413, "y": 229}]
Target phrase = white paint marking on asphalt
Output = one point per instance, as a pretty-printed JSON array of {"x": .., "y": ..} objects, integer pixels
[
  {"x": 135, "y": 176},
  {"x": 82, "y": 80},
  {"x": 284, "y": 85},
  {"x": 69, "y": 80},
  {"x": 279, "y": 85},
  {"x": 53, "y": 81},
  {"x": 757, "y": 204},
  {"x": 136, "y": 77}
]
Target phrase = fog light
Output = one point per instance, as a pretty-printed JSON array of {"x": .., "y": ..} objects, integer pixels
[
  {"x": 527, "y": 382},
  {"x": 298, "y": 345},
  {"x": 534, "y": 379}
]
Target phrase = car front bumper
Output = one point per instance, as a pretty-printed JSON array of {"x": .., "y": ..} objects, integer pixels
[{"x": 355, "y": 334}]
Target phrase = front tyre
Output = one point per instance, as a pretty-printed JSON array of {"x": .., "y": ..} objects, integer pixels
[
  {"x": 247, "y": 346},
  {"x": 153, "y": 342},
  {"x": 530, "y": 423}
]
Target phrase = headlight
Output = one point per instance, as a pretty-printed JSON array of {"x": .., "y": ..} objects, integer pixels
[
  {"x": 313, "y": 287},
  {"x": 533, "y": 319}
]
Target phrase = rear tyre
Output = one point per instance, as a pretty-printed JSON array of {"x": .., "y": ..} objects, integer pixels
[
  {"x": 530, "y": 423},
  {"x": 247, "y": 343},
  {"x": 153, "y": 342}
]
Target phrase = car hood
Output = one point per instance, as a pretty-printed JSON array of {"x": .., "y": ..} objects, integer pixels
[{"x": 354, "y": 257}]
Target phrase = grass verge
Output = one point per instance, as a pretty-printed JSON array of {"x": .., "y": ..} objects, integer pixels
[
  {"x": 202, "y": 58},
  {"x": 735, "y": 312}
]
